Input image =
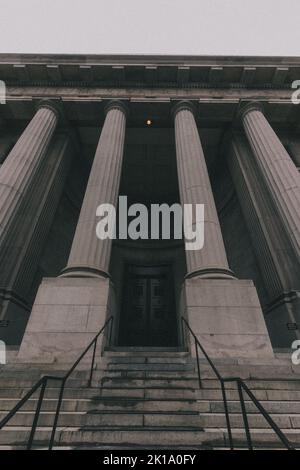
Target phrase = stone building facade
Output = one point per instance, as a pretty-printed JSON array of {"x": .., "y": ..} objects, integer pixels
[{"x": 78, "y": 131}]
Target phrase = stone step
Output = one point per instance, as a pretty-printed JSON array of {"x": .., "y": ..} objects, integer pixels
[
  {"x": 119, "y": 382},
  {"x": 145, "y": 436},
  {"x": 253, "y": 372},
  {"x": 90, "y": 437},
  {"x": 151, "y": 367},
  {"x": 115, "y": 447},
  {"x": 152, "y": 404},
  {"x": 96, "y": 384},
  {"x": 189, "y": 419},
  {"x": 280, "y": 372},
  {"x": 133, "y": 435},
  {"x": 216, "y": 420},
  {"x": 97, "y": 392},
  {"x": 13, "y": 379},
  {"x": 280, "y": 384},
  {"x": 157, "y": 389},
  {"x": 283, "y": 395},
  {"x": 107, "y": 404},
  {"x": 270, "y": 406},
  {"x": 146, "y": 360},
  {"x": 262, "y": 438},
  {"x": 76, "y": 418},
  {"x": 272, "y": 395},
  {"x": 214, "y": 394},
  {"x": 272, "y": 446},
  {"x": 148, "y": 352},
  {"x": 149, "y": 393},
  {"x": 206, "y": 393},
  {"x": 6, "y": 383}
]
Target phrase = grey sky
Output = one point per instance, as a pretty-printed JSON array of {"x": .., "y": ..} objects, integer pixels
[{"x": 239, "y": 27}]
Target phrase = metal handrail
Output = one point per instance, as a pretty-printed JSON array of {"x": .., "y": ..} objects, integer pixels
[
  {"x": 241, "y": 387},
  {"x": 42, "y": 384}
]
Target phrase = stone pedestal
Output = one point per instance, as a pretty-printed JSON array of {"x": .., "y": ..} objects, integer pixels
[
  {"x": 67, "y": 314},
  {"x": 226, "y": 316}
]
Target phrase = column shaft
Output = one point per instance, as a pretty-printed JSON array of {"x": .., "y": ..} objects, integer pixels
[
  {"x": 17, "y": 176},
  {"x": 195, "y": 188},
  {"x": 278, "y": 171},
  {"x": 90, "y": 256},
  {"x": 270, "y": 242}
]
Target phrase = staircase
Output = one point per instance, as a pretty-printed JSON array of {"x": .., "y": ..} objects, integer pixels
[{"x": 151, "y": 400}]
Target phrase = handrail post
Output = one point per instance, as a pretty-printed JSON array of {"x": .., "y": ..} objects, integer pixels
[
  {"x": 110, "y": 330},
  {"x": 61, "y": 392},
  {"x": 92, "y": 365},
  {"x": 198, "y": 364},
  {"x": 36, "y": 415},
  {"x": 183, "y": 331},
  {"x": 245, "y": 417},
  {"x": 227, "y": 415}
]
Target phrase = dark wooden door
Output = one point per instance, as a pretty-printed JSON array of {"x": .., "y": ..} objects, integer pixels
[{"x": 148, "y": 311}]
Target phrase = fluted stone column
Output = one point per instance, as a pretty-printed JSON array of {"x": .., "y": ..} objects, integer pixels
[
  {"x": 69, "y": 310},
  {"x": 195, "y": 188},
  {"x": 18, "y": 175},
  {"x": 31, "y": 182},
  {"x": 224, "y": 312},
  {"x": 90, "y": 256},
  {"x": 22, "y": 163},
  {"x": 280, "y": 270},
  {"x": 277, "y": 169}
]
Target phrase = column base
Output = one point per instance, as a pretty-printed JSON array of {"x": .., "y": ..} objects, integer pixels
[
  {"x": 66, "y": 315},
  {"x": 83, "y": 271},
  {"x": 211, "y": 273},
  {"x": 226, "y": 317}
]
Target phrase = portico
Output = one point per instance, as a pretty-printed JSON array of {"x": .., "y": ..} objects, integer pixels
[{"x": 221, "y": 152}]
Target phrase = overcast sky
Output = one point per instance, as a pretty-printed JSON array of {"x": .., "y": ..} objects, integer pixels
[{"x": 239, "y": 27}]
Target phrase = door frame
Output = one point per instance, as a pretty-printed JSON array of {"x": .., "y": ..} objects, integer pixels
[{"x": 167, "y": 267}]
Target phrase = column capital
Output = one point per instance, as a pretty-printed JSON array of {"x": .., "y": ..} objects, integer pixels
[
  {"x": 181, "y": 106},
  {"x": 252, "y": 106},
  {"x": 52, "y": 105},
  {"x": 117, "y": 104}
]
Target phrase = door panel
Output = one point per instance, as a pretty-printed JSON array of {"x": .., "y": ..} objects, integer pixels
[{"x": 148, "y": 312}]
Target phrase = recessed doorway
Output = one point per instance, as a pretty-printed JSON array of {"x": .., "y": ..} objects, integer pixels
[{"x": 148, "y": 314}]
